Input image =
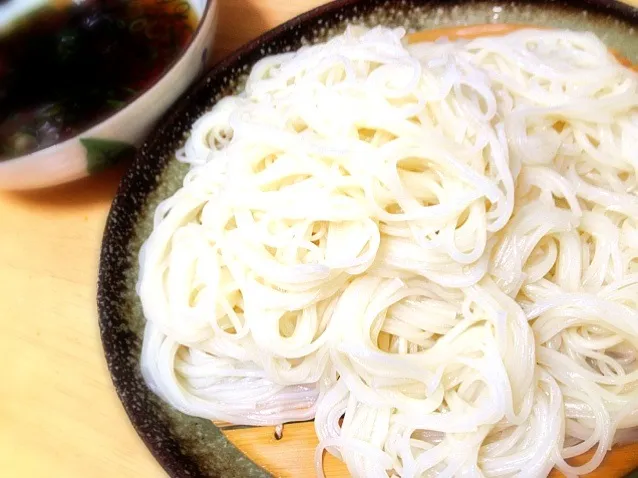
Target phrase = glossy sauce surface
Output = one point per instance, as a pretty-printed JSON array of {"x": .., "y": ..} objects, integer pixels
[{"x": 65, "y": 67}]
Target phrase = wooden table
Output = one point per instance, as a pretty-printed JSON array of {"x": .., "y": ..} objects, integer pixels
[{"x": 59, "y": 414}]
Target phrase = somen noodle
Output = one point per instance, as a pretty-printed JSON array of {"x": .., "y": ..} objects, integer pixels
[{"x": 430, "y": 249}]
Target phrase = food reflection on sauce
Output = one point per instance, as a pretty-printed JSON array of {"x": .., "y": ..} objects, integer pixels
[{"x": 64, "y": 68}]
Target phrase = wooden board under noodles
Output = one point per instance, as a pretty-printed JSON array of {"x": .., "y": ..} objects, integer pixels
[
  {"x": 488, "y": 29},
  {"x": 290, "y": 453}
]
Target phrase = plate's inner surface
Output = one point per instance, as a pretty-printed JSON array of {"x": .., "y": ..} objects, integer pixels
[{"x": 193, "y": 447}]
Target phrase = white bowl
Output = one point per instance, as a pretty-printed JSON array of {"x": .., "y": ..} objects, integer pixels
[{"x": 105, "y": 143}]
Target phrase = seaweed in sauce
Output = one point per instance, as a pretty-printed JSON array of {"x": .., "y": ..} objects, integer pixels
[{"x": 64, "y": 68}]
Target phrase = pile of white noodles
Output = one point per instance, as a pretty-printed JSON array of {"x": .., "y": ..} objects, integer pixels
[{"x": 430, "y": 249}]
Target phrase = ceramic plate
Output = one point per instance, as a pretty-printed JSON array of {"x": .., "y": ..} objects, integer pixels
[{"x": 189, "y": 447}]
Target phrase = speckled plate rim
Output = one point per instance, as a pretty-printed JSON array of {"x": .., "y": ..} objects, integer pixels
[{"x": 185, "y": 446}]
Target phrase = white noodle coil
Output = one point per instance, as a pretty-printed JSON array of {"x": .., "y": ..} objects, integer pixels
[{"x": 431, "y": 250}]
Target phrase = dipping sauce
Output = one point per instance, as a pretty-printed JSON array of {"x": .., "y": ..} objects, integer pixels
[{"x": 65, "y": 67}]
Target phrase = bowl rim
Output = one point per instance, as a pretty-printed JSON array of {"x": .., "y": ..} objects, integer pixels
[
  {"x": 119, "y": 231},
  {"x": 106, "y": 117}
]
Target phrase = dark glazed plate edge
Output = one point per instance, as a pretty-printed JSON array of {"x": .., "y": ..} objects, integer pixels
[{"x": 149, "y": 417}]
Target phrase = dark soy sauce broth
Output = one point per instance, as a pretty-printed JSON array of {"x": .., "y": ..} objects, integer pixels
[{"x": 65, "y": 67}]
